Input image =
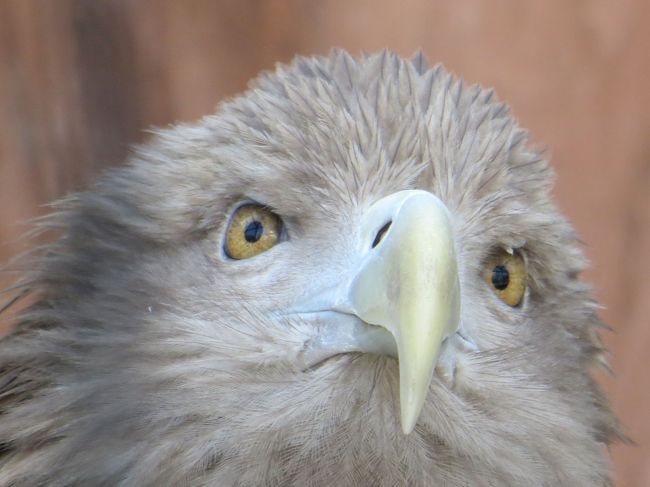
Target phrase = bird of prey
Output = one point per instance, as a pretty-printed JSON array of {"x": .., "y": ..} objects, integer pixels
[{"x": 351, "y": 275}]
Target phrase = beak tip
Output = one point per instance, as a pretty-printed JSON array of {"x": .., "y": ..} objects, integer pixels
[
  {"x": 409, "y": 417},
  {"x": 408, "y": 423}
]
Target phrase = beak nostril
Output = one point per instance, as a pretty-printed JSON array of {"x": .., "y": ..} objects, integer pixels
[{"x": 380, "y": 234}]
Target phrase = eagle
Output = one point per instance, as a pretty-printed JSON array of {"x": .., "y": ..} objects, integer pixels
[{"x": 353, "y": 274}]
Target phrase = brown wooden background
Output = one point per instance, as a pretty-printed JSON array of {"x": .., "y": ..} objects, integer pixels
[{"x": 81, "y": 79}]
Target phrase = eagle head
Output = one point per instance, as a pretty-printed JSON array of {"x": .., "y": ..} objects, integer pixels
[{"x": 352, "y": 274}]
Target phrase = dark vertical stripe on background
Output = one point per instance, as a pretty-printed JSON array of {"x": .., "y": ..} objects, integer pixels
[{"x": 105, "y": 54}]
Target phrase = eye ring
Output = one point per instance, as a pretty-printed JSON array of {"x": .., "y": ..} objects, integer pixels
[
  {"x": 252, "y": 229},
  {"x": 505, "y": 273}
]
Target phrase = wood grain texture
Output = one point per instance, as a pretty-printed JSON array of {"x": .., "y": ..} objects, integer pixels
[{"x": 81, "y": 80}]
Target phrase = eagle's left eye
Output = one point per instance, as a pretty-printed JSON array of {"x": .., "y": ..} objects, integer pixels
[
  {"x": 506, "y": 274},
  {"x": 252, "y": 230}
]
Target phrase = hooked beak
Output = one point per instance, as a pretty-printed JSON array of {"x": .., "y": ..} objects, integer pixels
[
  {"x": 406, "y": 283},
  {"x": 409, "y": 285}
]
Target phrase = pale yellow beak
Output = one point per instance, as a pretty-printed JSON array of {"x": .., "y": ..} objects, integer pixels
[{"x": 408, "y": 284}]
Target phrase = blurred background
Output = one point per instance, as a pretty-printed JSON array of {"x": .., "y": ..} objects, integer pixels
[{"x": 81, "y": 80}]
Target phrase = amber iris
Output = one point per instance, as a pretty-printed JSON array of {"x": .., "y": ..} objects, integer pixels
[
  {"x": 253, "y": 229},
  {"x": 505, "y": 273}
]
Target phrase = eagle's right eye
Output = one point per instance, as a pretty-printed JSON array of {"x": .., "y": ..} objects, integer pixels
[{"x": 252, "y": 230}]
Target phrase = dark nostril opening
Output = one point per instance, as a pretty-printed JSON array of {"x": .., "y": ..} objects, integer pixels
[{"x": 380, "y": 234}]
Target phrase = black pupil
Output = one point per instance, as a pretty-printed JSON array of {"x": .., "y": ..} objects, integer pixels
[
  {"x": 500, "y": 277},
  {"x": 253, "y": 231}
]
